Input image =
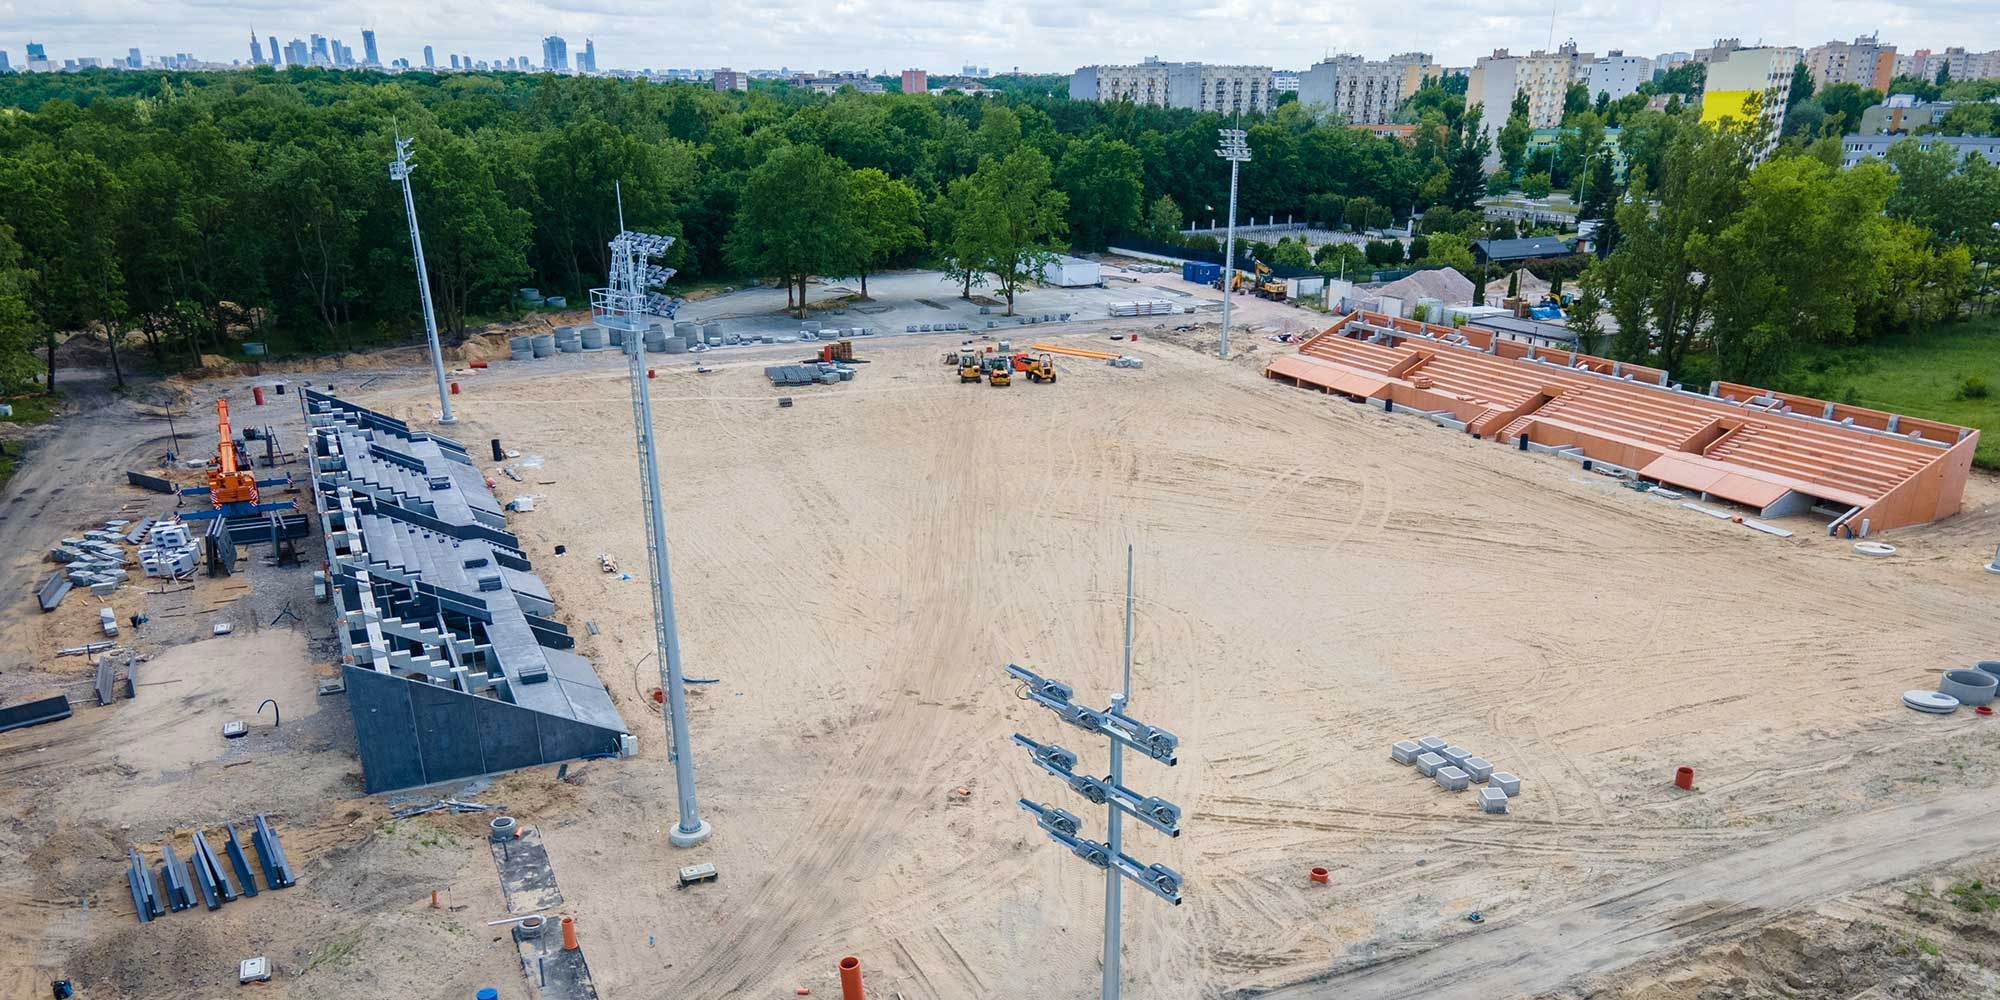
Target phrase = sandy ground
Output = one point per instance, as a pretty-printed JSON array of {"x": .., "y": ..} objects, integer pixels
[{"x": 1316, "y": 580}]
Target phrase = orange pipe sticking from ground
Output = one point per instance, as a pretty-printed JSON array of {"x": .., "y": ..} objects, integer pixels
[
  {"x": 850, "y": 978},
  {"x": 569, "y": 934}
]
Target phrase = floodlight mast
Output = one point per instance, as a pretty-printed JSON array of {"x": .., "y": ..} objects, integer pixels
[
  {"x": 1236, "y": 149},
  {"x": 399, "y": 171},
  {"x": 622, "y": 306}
]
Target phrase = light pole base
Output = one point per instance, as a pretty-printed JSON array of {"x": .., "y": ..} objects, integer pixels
[
  {"x": 679, "y": 838},
  {"x": 447, "y": 420}
]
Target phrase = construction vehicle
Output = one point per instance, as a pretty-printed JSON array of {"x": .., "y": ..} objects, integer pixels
[
  {"x": 970, "y": 368},
  {"x": 232, "y": 489},
  {"x": 999, "y": 370},
  {"x": 1041, "y": 368},
  {"x": 1258, "y": 279}
]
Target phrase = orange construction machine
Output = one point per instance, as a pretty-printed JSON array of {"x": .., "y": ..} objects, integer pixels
[{"x": 232, "y": 489}]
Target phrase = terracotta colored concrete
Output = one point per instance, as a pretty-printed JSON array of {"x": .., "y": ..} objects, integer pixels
[{"x": 1754, "y": 455}]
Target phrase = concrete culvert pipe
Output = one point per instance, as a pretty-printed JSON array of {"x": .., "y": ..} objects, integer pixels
[
  {"x": 1970, "y": 687},
  {"x": 1988, "y": 667},
  {"x": 501, "y": 829}
]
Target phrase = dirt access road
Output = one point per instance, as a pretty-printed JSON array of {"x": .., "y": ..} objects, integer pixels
[{"x": 1724, "y": 895}]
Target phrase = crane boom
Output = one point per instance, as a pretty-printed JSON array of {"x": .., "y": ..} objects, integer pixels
[{"x": 228, "y": 483}]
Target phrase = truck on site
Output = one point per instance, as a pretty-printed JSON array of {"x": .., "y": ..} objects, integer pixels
[
  {"x": 1040, "y": 368},
  {"x": 969, "y": 368}
]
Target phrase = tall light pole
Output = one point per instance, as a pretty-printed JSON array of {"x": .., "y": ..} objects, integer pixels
[
  {"x": 1065, "y": 828},
  {"x": 622, "y": 306},
  {"x": 1236, "y": 149},
  {"x": 399, "y": 171}
]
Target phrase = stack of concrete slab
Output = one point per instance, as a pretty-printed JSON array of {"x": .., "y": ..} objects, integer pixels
[
  {"x": 169, "y": 551},
  {"x": 96, "y": 560},
  {"x": 1456, "y": 768}
]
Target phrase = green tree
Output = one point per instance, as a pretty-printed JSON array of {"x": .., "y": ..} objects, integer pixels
[
  {"x": 1291, "y": 254},
  {"x": 1450, "y": 250},
  {"x": 1513, "y": 140},
  {"x": 475, "y": 242},
  {"x": 1016, "y": 218},
  {"x": 796, "y": 219},
  {"x": 1465, "y": 158},
  {"x": 1576, "y": 99},
  {"x": 1802, "y": 86},
  {"x": 1535, "y": 185},
  {"x": 1340, "y": 258},
  {"x": 1586, "y": 313},
  {"x": 18, "y": 327},
  {"x": 1163, "y": 219},
  {"x": 1383, "y": 253},
  {"x": 954, "y": 239},
  {"x": 1102, "y": 178},
  {"x": 1657, "y": 280},
  {"x": 888, "y": 219}
]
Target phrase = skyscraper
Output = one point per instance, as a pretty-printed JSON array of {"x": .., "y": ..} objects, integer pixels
[
  {"x": 36, "y": 52},
  {"x": 454, "y": 62},
  {"x": 132, "y": 59},
  {"x": 320, "y": 55},
  {"x": 430, "y": 59},
  {"x": 369, "y": 57},
  {"x": 588, "y": 63},
  {"x": 274, "y": 50},
  {"x": 555, "y": 54},
  {"x": 256, "y": 49},
  {"x": 296, "y": 53},
  {"x": 4, "y": 66}
]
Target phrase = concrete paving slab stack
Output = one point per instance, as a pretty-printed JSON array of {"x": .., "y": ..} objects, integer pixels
[
  {"x": 1428, "y": 764},
  {"x": 1478, "y": 767},
  {"x": 544, "y": 344},
  {"x": 1404, "y": 752},
  {"x": 1493, "y": 800},
  {"x": 1452, "y": 779},
  {"x": 1506, "y": 783},
  {"x": 592, "y": 337}
]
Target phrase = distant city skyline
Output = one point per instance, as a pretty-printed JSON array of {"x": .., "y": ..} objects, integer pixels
[{"x": 1036, "y": 35}]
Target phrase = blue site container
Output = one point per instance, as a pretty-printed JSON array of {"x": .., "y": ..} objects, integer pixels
[{"x": 1201, "y": 272}]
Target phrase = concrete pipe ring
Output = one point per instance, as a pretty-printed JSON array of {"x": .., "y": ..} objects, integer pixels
[
  {"x": 501, "y": 829},
  {"x": 1988, "y": 667},
  {"x": 1933, "y": 702},
  {"x": 1876, "y": 549},
  {"x": 1970, "y": 687},
  {"x": 530, "y": 928}
]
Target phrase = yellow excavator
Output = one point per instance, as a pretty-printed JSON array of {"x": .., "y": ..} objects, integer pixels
[
  {"x": 1041, "y": 368},
  {"x": 1259, "y": 279},
  {"x": 969, "y": 368}
]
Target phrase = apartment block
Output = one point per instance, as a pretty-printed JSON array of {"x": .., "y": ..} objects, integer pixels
[
  {"x": 1617, "y": 74},
  {"x": 1364, "y": 91},
  {"x": 1544, "y": 76},
  {"x": 730, "y": 79},
  {"x": 1864, "y": 62},
  {"x": 1195, "y": 86},
  {"x": 1755, "y": 81}
]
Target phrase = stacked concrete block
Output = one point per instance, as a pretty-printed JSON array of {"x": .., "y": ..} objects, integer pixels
[
  {"x": 1431, "y": 744},
  {"x": 1452, "y": 779},
  {"x": 1455, "y": 755},
  {"x": 1493, "y": 800},
  {"x": 1428, "y": 764},
  {"x": 169, "y": 551},
  {"x": 1404, "y": 752},
  {"x": 1479, "y": 767},
  {"x": 1506, "y": 783}
]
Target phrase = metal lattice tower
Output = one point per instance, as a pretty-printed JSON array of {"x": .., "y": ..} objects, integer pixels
[
  {"x": 399, "y": 171},
  {"x": 623, "y": 306},
  {"x": 1235, "y": 148}
]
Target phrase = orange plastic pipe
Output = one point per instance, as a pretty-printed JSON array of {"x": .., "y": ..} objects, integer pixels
[
  {"x": 1075, "y": 352},
  {"x": 569, "y": 934},
  {"x": 850, "y": 978}
]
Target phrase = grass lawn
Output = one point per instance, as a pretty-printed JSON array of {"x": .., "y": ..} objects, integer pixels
[{"x": 1938, "y": 375}]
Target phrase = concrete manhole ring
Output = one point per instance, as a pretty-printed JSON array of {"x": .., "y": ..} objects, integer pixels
[
  {"x": 1969, "y": 686},
  {"x": 1933, "y": 702},
  {"x": 1876, "y": 549}
]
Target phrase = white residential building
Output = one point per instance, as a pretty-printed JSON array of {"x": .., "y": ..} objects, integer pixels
[
  {"x": 1195, "y": 86},
  {"x": 1364, "y": 91},
  {"x": 1617, "y": 74},
  {"x": 1544, "y": 76},
  {"x": 1864, "y": 62},
  {"x": 1284, "y": 83},
  {"x": 1761, "y": 77}
]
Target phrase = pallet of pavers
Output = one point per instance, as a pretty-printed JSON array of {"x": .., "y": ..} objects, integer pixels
[{"x": 1456, "y": 769}]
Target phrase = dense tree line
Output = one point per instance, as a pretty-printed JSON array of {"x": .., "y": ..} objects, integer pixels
[{"x": 205, "y": 208}]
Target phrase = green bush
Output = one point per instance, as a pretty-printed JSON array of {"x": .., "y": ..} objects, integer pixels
[{"x": 1973, "y": 387}]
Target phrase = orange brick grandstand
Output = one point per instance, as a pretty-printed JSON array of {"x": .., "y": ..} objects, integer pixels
[{"x": 1776, "y": 452}]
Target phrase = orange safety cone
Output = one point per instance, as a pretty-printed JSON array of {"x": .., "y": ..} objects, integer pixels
[
  {"x": 1684, "y": 778},
  {"x": 434, "y": 899},
  {"x": 850, "y": 978},
  {"x": 569, "y": 933}
]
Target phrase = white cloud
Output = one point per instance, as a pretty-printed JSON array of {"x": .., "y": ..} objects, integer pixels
[{"x": 1037, "y": 35}]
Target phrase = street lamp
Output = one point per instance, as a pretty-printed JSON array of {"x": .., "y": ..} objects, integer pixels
[{"x": 1235, "y": 148}]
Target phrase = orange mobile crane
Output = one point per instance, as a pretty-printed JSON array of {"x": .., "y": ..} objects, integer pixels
[{"x": 231, "y": 489}]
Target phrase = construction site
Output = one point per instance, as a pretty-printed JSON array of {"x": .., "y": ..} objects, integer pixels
[{"x": 1483, "y": 671}]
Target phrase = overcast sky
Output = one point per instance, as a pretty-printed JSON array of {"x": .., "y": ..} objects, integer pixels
[{"x": 943, "y": 35}]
